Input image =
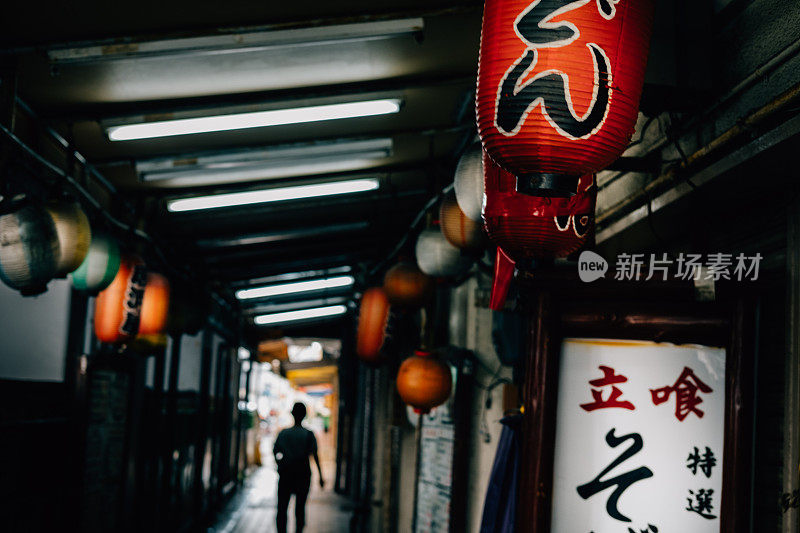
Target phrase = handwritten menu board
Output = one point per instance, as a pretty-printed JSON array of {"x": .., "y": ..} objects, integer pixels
[
  {"x": 639, "y": 437},
  {"x": 436, "y": 470}
]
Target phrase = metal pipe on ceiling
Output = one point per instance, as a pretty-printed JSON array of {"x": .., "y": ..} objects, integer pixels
[{"x": 674, "y": 174}]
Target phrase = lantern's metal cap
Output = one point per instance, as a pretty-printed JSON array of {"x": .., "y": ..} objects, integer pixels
[{"x": 549, "y": 185}]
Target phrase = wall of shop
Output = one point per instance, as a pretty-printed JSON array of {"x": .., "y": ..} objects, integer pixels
[
  {"x": 475, "y": 334},
  {"x": 34, "y": 333},
  {"x": 470, "y": 328}
]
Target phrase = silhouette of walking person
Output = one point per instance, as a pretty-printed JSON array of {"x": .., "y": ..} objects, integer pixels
[{"x": 292, "y": 449}]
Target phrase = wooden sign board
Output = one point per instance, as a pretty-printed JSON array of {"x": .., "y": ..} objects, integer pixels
[{"x": 637, "y": 412}]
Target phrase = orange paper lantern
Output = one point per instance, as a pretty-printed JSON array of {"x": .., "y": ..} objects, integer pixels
[
  {"x": 155, "y": 305},
  {"x": 117, "y": 308},
  {"x": 372, "y": 320},
  {"x": 407, "y": 286},
  {"x": 424, "y": 381},
  {"x": 460, "y": 230}
]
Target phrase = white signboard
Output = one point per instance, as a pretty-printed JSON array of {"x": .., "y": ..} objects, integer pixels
[
  {"x": 639, "y": 438},
  {"x": 436, "y": 467}
]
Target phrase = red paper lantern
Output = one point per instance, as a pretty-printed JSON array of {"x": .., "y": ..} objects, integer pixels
[
  {"x": 117, "y": 308},
  {"x": 558, "y": 86},
  {"x": 155, "y": 305},
  {"x": 534, "y": 227},
  {"x": 424, "y": 381},
  {"x": 372, "y": 320}
]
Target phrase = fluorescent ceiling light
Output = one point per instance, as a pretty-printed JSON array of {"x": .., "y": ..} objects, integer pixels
[
  {"x": 267, "y": 171},
  {"x": 299, "y": 286},
  {"x": 302, "y": 314},
  {"x": 294, "y": 276},
  {"x": 261, "y": 309},
  {"x": 278, "y": 194},
  {"x": 285, "y": 235},
  {"x": 304, "y": 159},
  {"x": 256, "y": 119},
  {"x": 243, "y": 41}
]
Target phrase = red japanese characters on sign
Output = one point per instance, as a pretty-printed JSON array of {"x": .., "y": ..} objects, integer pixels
[
  {"x": 609, "y": 378},
  {"x": 686, "y": 399}
]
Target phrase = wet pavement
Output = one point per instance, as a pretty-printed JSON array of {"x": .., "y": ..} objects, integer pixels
[{"x": 253, "y": 509}]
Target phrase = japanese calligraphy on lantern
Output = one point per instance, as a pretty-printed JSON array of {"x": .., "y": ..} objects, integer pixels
[{"x": 639, "y": 437}]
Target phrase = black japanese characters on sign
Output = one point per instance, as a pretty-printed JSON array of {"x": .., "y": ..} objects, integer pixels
[
  {"x": 790, "y": 500},
  {"x": 622, "y": 481},
  {"x": 701, "y": 502},
  {"x": 705, "y": 461}
]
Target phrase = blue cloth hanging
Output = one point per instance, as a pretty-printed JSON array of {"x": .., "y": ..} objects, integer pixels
[{"x": 500, "y": 506}]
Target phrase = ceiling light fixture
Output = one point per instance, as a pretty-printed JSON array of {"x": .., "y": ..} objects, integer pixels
[
  {"x": 304, "y": 159},
  {"x": 279, "y": 194},
  {"x": 241, "y": 41},
  {"x": 294, "y": 276},
  {"x": 296, "y": 287},
  {"x": 302, "y": 314},
  {"x": 283, "y": 235},
  {"x": 256, "y": 119}
]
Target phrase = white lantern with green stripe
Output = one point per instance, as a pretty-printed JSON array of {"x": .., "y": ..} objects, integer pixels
[
  {"x": 100, "y": 266},
  {"x": 29, "y": 249}
]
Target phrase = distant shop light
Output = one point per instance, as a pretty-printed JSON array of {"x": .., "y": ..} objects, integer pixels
[
  {"x": 296, "y": 287},
  {"x": 303, "y": 314},
  {"x": 278, "y": 194},
  {"x": 256, "y": 119}
]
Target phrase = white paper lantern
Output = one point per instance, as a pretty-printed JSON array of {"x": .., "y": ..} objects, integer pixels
[
  {"x": 437, "y": 257},
  {"x": 469, "y": 182}
]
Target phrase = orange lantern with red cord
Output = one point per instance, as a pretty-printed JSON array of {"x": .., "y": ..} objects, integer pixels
[
  {"x": 373, "y": 318},
  {"x": 424, "y": 381},
  {"x": 118, "y": 307},
  {"x": 559, "y": 84},
  {"x": 155, "y": 305}
]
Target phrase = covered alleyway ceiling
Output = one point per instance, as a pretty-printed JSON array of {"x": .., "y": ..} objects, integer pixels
[
  {"x": 157, "y": 60},
  {"x": 86, "y": 67}
]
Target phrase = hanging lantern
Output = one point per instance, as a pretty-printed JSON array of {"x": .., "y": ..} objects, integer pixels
[
  {"x": 437, "y": 257},
  {"x": 155, "y": 305},
  {"x": 74, "y": 235},
  {"x": 424, "y": 381},
  {"x": 373, "y": 318},
  {"x": 460, "y": 230},
  {"x": 100, "y": 265},
  {"x": 407, "y": 286},
  {"x": 117, "y": 309},
  {"x": 28, "y": 249},
  {"x": 531, "y": 227},
  {"x": 559, "y": 86},
  {"x": 469, "y": 182}
]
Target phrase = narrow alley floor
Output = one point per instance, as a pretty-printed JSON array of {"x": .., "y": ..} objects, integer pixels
[{"x": 253, "y": 509}]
